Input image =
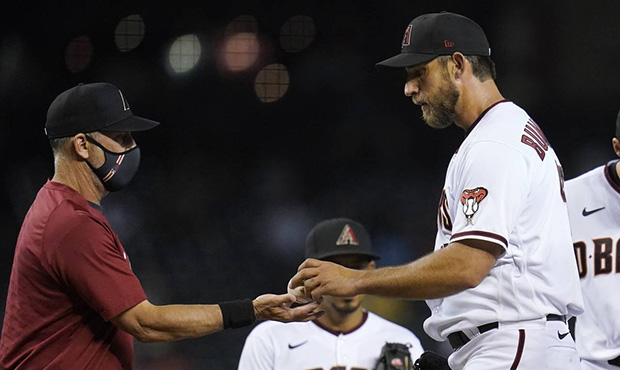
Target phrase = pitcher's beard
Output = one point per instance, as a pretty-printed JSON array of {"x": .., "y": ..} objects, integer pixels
[{"x": 442, "y": 108}]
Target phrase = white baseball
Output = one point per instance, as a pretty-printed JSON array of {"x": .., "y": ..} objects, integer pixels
[{"x": 299, "y": 293}]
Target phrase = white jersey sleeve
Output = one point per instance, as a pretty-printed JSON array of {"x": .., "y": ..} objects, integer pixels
[{"x": 594, "y": 209}]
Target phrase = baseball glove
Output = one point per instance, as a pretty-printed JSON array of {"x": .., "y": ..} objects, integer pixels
[
  {"x": 431, "y": 361},
  {"x": 395, "y": 356}
]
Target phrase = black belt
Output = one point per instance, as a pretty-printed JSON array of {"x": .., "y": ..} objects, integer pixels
[
  {"x": 615, "y": 361},
  {"x": 459, "y": 339}
]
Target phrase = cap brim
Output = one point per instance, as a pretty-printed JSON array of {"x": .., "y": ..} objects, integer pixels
[
  {"x": 404, "y": 60},
  {"x": 131, "y": 123},
  {"x": 339, "y": 253}
]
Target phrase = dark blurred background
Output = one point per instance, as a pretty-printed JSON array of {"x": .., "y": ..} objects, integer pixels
[{"x": 273, "y": 119}]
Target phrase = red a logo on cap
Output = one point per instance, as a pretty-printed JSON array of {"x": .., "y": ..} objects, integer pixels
[
  {"x": 448, "y": 43},
  {"x": 347, "y": 237},
  {"x": 407, "y": 37}
]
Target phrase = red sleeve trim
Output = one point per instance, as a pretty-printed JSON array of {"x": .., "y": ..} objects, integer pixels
[{"x": 485, "y": 234}]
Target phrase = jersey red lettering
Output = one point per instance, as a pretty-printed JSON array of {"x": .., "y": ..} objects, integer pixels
[
  {"x": 581, "y": 258},
  {"x": 443, "y": 214},
  {"x": 618, "y": 256},
  {"x": 530, "y": 142},
  {"x": 535, "y": 138},
  {"x": 536, "y": 128},
  {"x": 602, "y": 256},
  {"x": 530, "y": 131}
]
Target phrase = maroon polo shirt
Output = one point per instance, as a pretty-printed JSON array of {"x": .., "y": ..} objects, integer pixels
[{"x": 70, "y": 276}]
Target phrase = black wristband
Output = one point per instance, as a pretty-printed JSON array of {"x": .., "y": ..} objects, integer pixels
[{"x": 237, "y": 314}]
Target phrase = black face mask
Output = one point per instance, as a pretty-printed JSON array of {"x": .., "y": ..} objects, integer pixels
[{"x": 118, "y": 168}]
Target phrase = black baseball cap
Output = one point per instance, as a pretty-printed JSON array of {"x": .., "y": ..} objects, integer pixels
[
  {"x": 92, "y": 107},
  {"x": 431, "y": 35},
  {"x": 336, "y": 237}
]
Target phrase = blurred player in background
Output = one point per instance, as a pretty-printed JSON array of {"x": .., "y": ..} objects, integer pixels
[
  {"x": 503, "y": 277},
  {"x": 594, "y": 210},
  {"x": 347, "y": 336},
  {"x": 73, "y": 300}
]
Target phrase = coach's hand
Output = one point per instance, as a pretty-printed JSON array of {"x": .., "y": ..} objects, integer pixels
[
  {"x": 321, "y": 278},
  {"x": 278, "y": 308}
]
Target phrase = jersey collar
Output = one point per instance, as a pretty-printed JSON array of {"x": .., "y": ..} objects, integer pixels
[
  {"x": 612, "y": 175},
  {"x": 66, "y": 188},
  {"x": 337, "y": 333},
  {"x": 473, "y": 125}
]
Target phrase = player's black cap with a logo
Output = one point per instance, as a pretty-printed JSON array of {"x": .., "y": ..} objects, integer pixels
[
  {"x": 336, "y": 237},
  {"x": 431, "y": 35},
  {"x": 92, "y": 107}
]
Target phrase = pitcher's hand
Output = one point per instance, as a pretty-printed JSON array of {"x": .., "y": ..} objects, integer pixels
[{"x": 321, "y": 278}]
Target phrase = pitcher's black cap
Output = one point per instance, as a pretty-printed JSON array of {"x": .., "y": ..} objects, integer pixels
[
  {"x": 337, "y": 237},
  {"x": 92, "y": 107},
  {"x": 431, "y": 35}
]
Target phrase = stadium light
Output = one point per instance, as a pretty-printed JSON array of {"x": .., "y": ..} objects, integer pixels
[
  {"x": 271, "y": 83},
  {"x": 129, "y": 33},
  {"x": 184, "y": 53},
  {"x": 297, "y": 33}
]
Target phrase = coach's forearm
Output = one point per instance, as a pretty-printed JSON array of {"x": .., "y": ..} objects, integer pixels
[
  {"x": 150, "y": 323},
  {"x": 440, "y": 274}
]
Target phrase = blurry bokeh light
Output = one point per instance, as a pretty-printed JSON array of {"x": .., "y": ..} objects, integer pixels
[
  {"x": 242, "y": 23},
  {"x": 297, "y": 33},
  {"x": 271, "y": 83},
  {"x": 184, "y": 53},
  {"x": 78, "y": 54},
  {"x": 240, "y": 49},
  {"x": 129, "y": 33}
]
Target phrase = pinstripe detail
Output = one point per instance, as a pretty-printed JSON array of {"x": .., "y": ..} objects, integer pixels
[{"x": 515, "y": 363}]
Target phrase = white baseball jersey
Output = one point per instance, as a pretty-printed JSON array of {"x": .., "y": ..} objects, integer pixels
[
  {"x": 594, "y": 210},
  {"x": 307, "y": 346},
  {"x": 505, "y": 185}
]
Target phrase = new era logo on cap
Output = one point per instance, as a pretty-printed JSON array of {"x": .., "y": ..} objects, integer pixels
[{"x": 347, "y": 236}]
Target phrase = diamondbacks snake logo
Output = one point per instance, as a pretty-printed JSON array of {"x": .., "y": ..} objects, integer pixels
[{"x": 470, "y": 199}]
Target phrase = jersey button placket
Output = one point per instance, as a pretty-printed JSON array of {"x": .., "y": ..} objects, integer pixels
[{"x": 339, "y": 349}]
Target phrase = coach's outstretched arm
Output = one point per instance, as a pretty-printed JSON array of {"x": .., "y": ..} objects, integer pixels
[
  {"x": 151, "y": 323},
  {"x": 457, "y": 267}
]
